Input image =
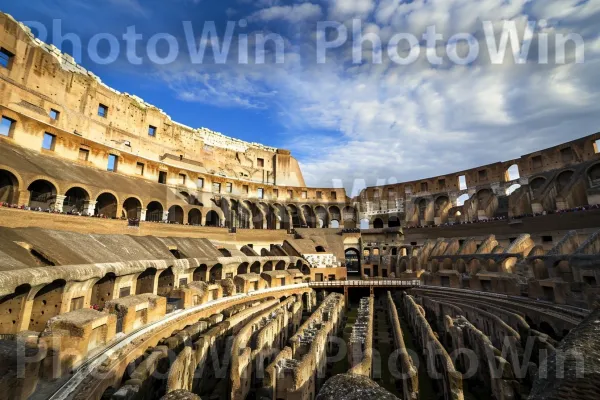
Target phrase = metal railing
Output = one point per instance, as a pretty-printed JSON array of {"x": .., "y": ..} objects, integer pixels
[{"x": 367, "y": 283}]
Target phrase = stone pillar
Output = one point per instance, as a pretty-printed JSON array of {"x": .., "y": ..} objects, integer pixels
[
  {"x": 59, "y": 202},
  {"x": 165, "y": 215},
  {"x": 143, "y": 214},
  {"x": 24, "y": 196},
  {"x": 185, "y": 217},
  {"x": 89, "y": 206}
]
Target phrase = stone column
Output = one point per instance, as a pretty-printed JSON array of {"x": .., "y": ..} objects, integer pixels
[
  {"x": 59, "y": 203},
  {"x": 143, "y": 214},
  {"x": 165, "y": 215},
  {"x": 24, "y": 196},
  {"x": 89, "y": 206}
]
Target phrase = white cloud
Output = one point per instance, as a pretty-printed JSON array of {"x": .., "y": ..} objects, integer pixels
[{"x": 294, "y": 13}]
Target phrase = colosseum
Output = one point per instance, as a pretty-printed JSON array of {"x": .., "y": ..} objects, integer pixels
[{"x": 144, "y": 259}]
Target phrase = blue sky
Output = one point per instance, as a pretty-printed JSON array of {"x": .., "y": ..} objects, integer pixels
[{"x": 353, "y": 122}]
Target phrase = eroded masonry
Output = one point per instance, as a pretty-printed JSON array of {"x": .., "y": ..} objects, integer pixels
[{"x": 144, "y": 259}]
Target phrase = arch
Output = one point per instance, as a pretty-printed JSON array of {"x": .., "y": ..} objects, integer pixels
[
  {"x": 364, "y": 223},
  {"x": 309, "y": 216},
  {"x": 199, "y": 274},
  {"x": 145, "y": 281},
  {"x": 441, "y": 205},
  {"x": 335, "y": 224},
  {"x": 322, "y": 217},
  {"x": 175, "y": 215},
  {"x": 512, "y": 188},
  {"x": 536, "y": 184},
  {"x": 378, "y": 223},
  {"x": 422, "y": 209},
  {"x": 320, "y": 249},
  {"x": 9, "y": 187},
  {"x": 460, "y": 201},
  {"x": 295, "y": 216},
  {"x": 280, "y": 266},
  {"x": 393, "y": 222},
  {"x": 42, "y": 194},
  {"x": 305, "y": 269},
  {"x": 102, "y": 291},
  {"x": 243, "y": 268},
  {"x": 563, "y": 179},
  {"x": 512, "y": 173},
  {"x": 132, "y": 208},
  {"x": 546, "y": 328},
  {"x": 75, "y": 199},
  {"x": 216, "y": 273},
  {"x": 255, "y": 267},
  {"x": 154, "y": 212},
  {"x": 335, "y": 213},
  {"x": 166, "y": 282},
  {"x": 10, "y": 309},
  {"x": 483, "y": 198},
  {"x": 256, "y": 215},
  {"x": 194, "y": 217},
  {"x": 268, "y": 266},
  {"x": 212, "y": 219},
  {"x": 349, "y": 217},
  {"x": 593, "y": 174},
  {"x": 47, "y": 303},
  {"x": 352, "y": 258},
  {"x": 106, "y": 205}
]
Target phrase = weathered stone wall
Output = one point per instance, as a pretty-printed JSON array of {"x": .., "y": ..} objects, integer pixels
[{"x": 407, "y": 368}]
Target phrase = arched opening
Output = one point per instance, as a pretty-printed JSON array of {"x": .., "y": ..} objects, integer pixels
[
  {"x": 132, "y": 208},
  {"x": 378, "y": 223},
  {"x": 10, "y": 309},
  {"x": 175, "y": 215},
  {"x": 547, "y": 329},
  {"x": 293, "y": 211},
  {"x": 309, "y": 216},
  {"x": 460, "y": 201},
  {"x": 216, "y": 273},
  {"x": 194, "y": 217},
  {"x": 212, "y": 218},
  {"x": 255, "y": 268},
  {"x": 512, "y": 189},
  {"x": 243, "y": 268},
  {"x": 166, "y": 282},
  {"x": 536, "y": 185},
  {"x": 484, "y": 197},
  {"x": 154, "y": 212},
  {"x": 512, "y": 173},
  {"x": 349, "y": 217},
  {"x": 46, "y": 304},
  {"x": 441, "y": 206},
  {"x": 364, "y": 223},
  {"x": 393, "y": 222},
  {"x": 422, "y": 209},
  {"x": 145, "y": 281},
  {"x": 335, "y": 224},
  {"x": 280, "y": 266},
  {"x": 563, "y": 179},
  {"x": 75, "y": 199},
  {"x": 178, "y": 254},
  {"x": 42, "y": 194},
  {"x": 320, "y": 249},
  {"x": 102, "y": 291},
  {"x": 352, "y": 260},
  {"x": 305, "y": 269},
  {"x": 200, "y": 273},
  {"x": 268, "y": 266},
  {"x": 106, "y": 205},
  {"x": 9, "y": 187},
  {"x": 594, "y": 175},
  {"x": 322, "y": 217}
]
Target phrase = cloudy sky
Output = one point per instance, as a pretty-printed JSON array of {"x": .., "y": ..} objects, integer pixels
[{"x": 362, "y": 115}]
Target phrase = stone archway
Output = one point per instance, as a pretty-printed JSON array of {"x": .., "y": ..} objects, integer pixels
[
  {"x": 75, "y": 199},
  {"x": 154, "y": 212},
  {"x": 42, "y": 194},
  {"x": 47, "y": 303},
  {"x": 9, "y": 187},
  {"x": 106, "y": 205},
  {"x": 176, "y": 215},
  {"x": 166, "y": 282},
  {"x": 393, "y": 222},
  {"x": 378, "y": 223},
  {"x": 212, "y": 218},
  {"x": 195, "y": 217},
  {"x": 132, "y": 208},
  {"x": 145, "y": 281}
]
